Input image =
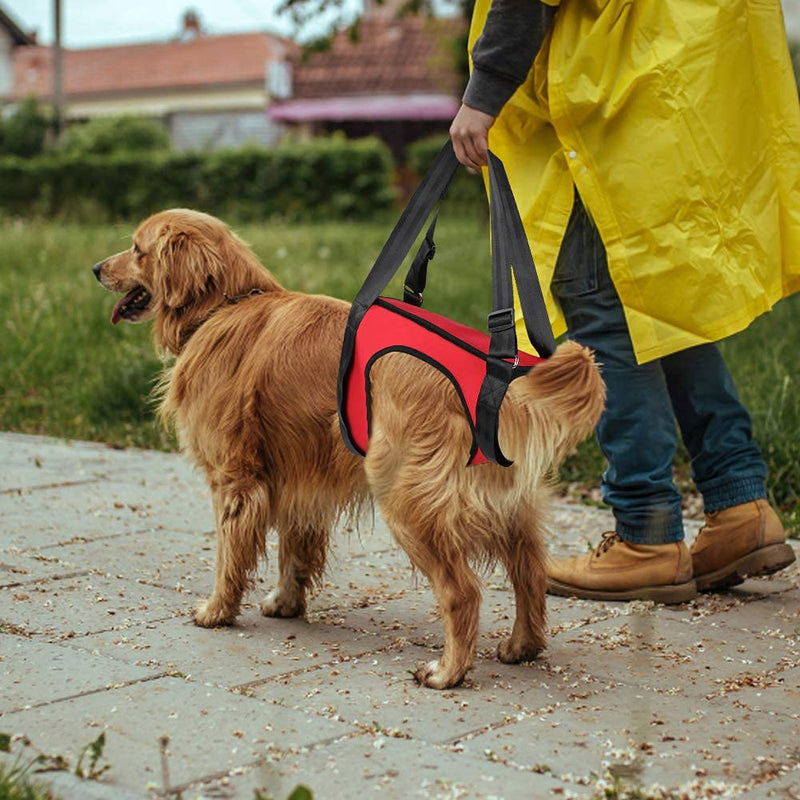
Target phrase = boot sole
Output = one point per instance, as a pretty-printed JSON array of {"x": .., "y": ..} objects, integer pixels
[
  {"x": 670, "y": 594},
  {"x": 763, "y": 561}
]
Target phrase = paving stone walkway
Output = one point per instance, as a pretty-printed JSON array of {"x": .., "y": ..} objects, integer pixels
[{"x": 104, "y": 551}]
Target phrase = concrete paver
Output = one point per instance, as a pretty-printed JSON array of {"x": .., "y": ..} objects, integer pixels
[
  {"x": 67, "y": 673},
  {"x": 377, "y": 766},
  {"x": 211, "y": 731},
  {"x": 233, "y": 657},
  {"x": 103, "y": 552}
]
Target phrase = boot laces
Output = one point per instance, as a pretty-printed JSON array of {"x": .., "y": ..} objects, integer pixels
[{"x": 610, "y": 538}]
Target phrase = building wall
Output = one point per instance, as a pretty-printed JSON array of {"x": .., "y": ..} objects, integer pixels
[
  {"x": 213, "y": 130},
  {"x": 6, "y": 71},
  {"x": 199, "y": 120},
  {"x": 791, "y": 13},
  {"x": 161, "y": 104}
]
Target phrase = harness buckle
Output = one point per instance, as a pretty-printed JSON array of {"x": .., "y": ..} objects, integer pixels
[
  {"x": 412, "y": 297},
  {"x": 501, "y": 320}
]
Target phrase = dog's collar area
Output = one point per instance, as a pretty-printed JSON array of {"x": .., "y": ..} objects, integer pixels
[
  {"x": 239, "y": 297},
  {"x": 190, "y": 329}
]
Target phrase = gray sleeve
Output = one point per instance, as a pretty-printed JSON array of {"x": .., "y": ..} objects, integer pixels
[{"x": 504, "y": 53}]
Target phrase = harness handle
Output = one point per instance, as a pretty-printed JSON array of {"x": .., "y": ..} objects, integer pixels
[{"x": 510, "y": 253}]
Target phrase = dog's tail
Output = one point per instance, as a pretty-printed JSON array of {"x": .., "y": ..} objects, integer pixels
[{"x": 564, "y": 397}]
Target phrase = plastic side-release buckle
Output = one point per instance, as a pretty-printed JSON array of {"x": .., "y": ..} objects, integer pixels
[
  {"x": 501, "y": 320},
  {"x": 411, "y": 297}
]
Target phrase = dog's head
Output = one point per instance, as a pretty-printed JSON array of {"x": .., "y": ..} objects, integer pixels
[
  {"x": 181, "y": 266},
  {"x": 176, "y": 259}
]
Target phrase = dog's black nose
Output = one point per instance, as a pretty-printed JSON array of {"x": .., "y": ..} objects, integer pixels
[{"x": 96, "y": 269}]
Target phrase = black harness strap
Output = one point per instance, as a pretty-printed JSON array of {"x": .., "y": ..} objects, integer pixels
[
  {"x": 417, "y": 275},
  {"x": 510, "y": 252}
]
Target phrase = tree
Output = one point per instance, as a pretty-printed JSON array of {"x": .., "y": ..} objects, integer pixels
[{"x": 303, "y": 12}]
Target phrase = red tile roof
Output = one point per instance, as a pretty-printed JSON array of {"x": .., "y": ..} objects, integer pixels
[
  {"x": 203, "y": 61},
  {"x": 410, "y": 55}
]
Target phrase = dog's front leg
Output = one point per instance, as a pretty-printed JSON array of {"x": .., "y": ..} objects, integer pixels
[
  {"x": 301, "y": 561},
  {"x": 242, "y": 518}
]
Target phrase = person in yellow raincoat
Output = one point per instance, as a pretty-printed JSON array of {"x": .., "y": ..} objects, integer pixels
[{"x": 654, "y": 152}]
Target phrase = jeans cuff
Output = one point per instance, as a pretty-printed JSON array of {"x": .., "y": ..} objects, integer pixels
[
  {"x": 662, "y": 531},
  {"x": 732, "y": 493}
]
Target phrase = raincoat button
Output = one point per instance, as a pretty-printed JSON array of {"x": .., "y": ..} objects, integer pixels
[{"x": 573, "y": 154}]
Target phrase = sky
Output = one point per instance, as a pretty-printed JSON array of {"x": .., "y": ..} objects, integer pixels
[{"x": 95, "y": 23}]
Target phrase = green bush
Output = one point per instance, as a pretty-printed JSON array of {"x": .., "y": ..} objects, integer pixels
[
  {"x": 124, "y": 133},
  {"x": 324, "y": 178},
  {"x": 25, "y": 185},
  {"x": 24, "y": 132},
  {"x": 122, "y": 186},
  {"x": 321, "y": 179},
  {"x": 794, "y": 50}
]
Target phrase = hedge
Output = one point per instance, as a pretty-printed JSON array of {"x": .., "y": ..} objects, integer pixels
[{"x": 320, "y": 179}]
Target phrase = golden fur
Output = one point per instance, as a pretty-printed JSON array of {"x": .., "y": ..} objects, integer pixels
[{"x": 253, "y": 395}]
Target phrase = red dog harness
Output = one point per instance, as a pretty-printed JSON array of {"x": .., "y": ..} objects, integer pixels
[
  {"x": 457, "y": 351},
  {"x": 480, "y": 367}
]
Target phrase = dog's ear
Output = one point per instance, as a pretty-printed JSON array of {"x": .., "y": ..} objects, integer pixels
[{"x": 189, "y": 266}]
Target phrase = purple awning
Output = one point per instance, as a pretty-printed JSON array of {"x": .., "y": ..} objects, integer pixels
[{"x": 374, "y": 107}]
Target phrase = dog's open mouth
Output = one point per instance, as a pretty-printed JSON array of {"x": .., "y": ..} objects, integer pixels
[{"x": 131, "y": 306}]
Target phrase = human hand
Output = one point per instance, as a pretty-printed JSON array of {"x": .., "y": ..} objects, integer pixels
[{"x": 470, "y": 134}]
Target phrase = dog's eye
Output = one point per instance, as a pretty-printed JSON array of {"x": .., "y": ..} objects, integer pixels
[{"x": 137, "y": 251}]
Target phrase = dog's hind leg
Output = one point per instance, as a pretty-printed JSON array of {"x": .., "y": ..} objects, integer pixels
[
  {"x": 242, "y": 513},
  {"x": 459, "y": 606},
  {"x": 458, "y": 592},
  {"x": 522, "y": 554},
  {"x": 301, "y": 561}
]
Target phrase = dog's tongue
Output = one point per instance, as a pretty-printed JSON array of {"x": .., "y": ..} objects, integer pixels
[{"x": 116, "y": 315}]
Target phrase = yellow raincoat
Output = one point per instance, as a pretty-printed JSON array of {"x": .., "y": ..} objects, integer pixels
[{"x": 678, "y": 121}]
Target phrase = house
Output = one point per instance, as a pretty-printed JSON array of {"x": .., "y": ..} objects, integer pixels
[
  {"x": 209, "y": 91},
  {"x": 398, "y": 80},
  {"x": 11, "y": 37}
]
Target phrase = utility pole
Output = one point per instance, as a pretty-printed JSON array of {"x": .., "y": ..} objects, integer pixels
[{"x": 58, "y": 72}]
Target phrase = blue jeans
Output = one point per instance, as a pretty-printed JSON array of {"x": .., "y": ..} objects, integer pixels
[{"x": 637, "y": 432}]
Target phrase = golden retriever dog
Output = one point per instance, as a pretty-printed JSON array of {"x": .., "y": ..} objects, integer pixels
[{"x": 252, "y": 392}]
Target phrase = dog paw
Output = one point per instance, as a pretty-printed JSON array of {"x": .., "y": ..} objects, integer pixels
[
  {"x": 435, "y": 676},
  {"x": 209, "y": 615},
  {"x": 509, "y": 652},
  {"x": 275, "y": 604}
]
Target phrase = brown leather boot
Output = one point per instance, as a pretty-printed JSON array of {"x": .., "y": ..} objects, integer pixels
[
  {"x": 620, "y": 570},
  {"x": 737, "y": 543}
]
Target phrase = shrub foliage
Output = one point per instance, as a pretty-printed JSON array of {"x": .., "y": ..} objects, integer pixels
[
  {"x": 24, "y": 133},
  {"x": 321, "y": 179},
  {"x": 118, "y": 134}
]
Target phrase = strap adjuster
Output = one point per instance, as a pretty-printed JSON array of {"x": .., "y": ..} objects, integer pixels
[
  {"x": 501, "y": 320},
  {"x": 411, "y": 297}
]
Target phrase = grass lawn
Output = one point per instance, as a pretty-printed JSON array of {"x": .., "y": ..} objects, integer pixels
[{"x": 66, "y": 372}]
